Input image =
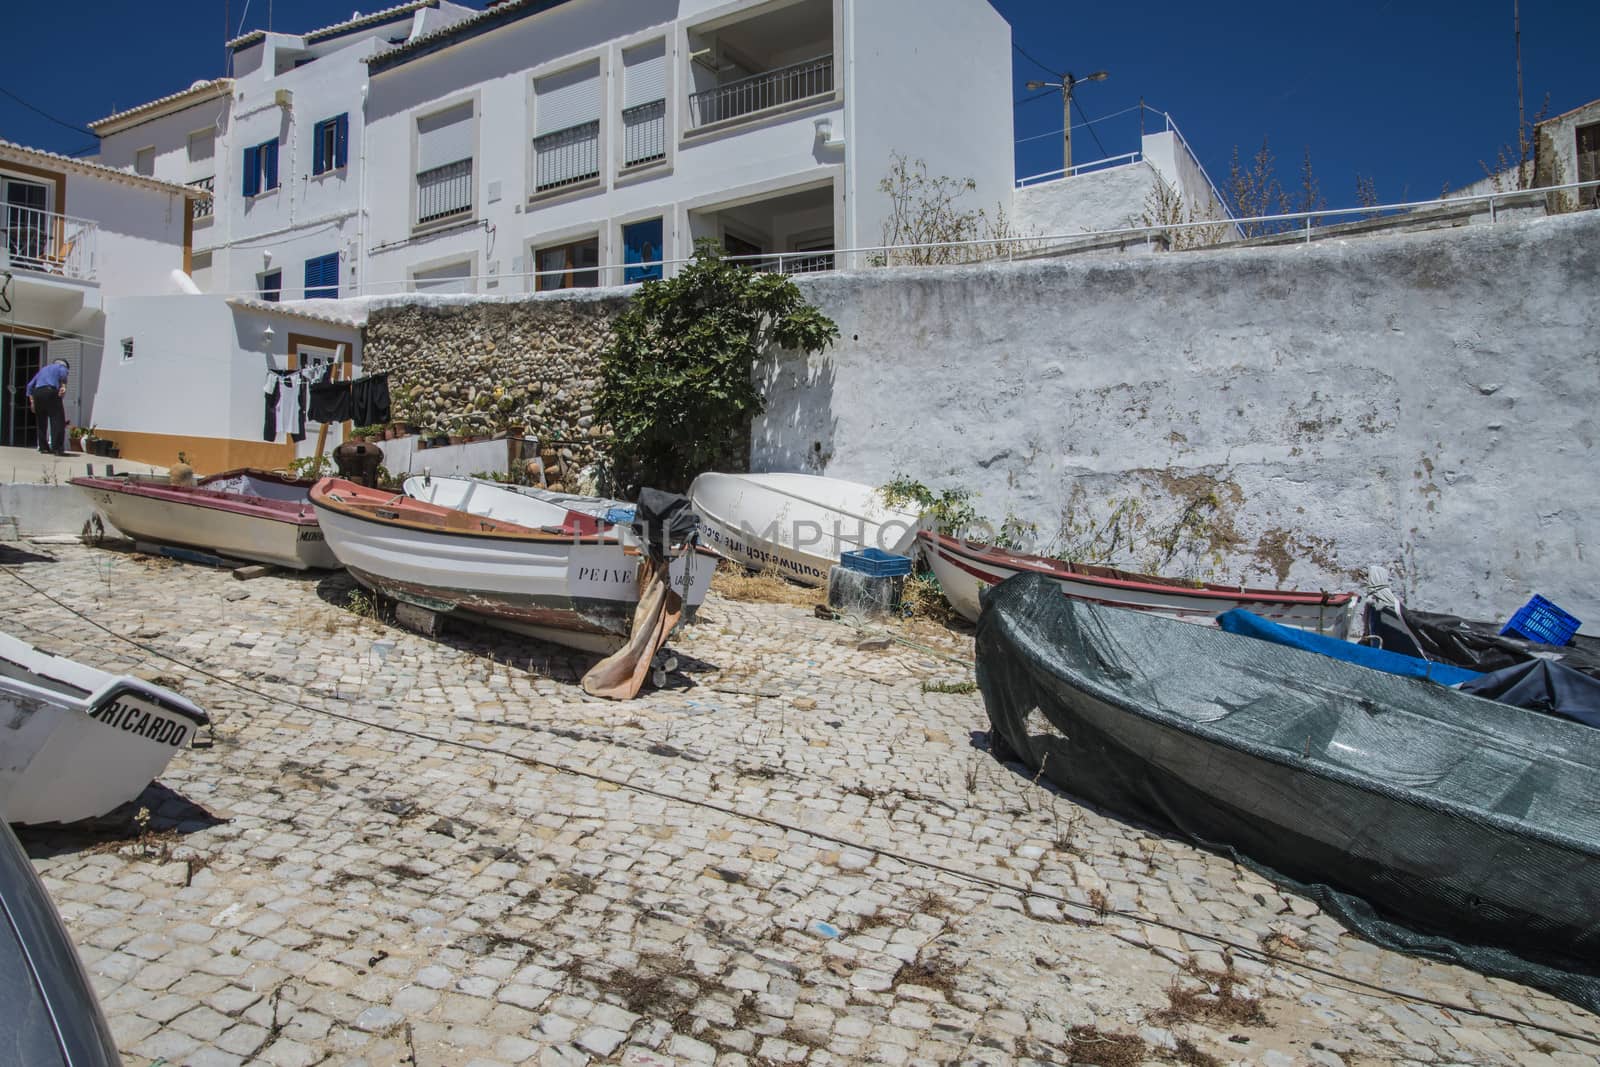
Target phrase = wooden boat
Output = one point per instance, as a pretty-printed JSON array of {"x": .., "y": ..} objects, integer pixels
[
  {"x": 570, "y": 583},
  {"x": 965, "y": 570},
  {"x": 78, "y": 741},
  {"x": 1457, "y": 818},
  {"x": 242, "y": 514},
  {"x": 54, "y": 1018},
  {"x": 797, "y": 524}
]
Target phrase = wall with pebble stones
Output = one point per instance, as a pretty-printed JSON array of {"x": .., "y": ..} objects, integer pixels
[{"x": 475, "y": 366}]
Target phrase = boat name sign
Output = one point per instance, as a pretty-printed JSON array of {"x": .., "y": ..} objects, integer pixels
[
  {"x": 596, "y": 576},
  {"x": 137, "y": 719},
  {"x": 753, "y": 553}
]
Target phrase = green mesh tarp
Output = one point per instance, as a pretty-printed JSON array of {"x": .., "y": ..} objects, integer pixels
[{"x": 1427, "y": 820}]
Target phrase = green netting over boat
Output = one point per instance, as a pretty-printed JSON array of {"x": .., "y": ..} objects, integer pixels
[{"x": 1427, "y": 820}]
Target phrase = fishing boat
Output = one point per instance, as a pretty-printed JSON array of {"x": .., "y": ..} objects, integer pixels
[
  {"x": 797, "y": 524},
  {"x": 570, "y": 582},
  {"x": 242, "y": 514},
  {"x": 966, "y": 569},
  {"x": 519, "y": 504},
  {"x": 78, "y": 741},
  {"x": 1471, "y": 826}
]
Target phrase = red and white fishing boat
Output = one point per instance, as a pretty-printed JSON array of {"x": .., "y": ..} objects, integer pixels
[
  {"x": 574, "y": 583},
  {"x": 242, "y": 514},
  {"x": 965, "y": 569}
]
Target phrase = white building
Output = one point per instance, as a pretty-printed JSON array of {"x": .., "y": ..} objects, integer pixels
[
  {"x": 75, "y": 236},
  {"x": 553, "y": 137},
  {"x": 279, "y": 144}
]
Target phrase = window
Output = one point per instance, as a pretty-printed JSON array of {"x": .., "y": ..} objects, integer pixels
[
  {"x": 127, "y": 349},
  {"x": 144, "y": 161},
  {"x": 644, "y": 104},
  {"x": 330, "y": 144},
  {"x": 1588, "y": 152},
  {"x": 444, "y": 164},
  {"x": 322, "y": 277},
  {"x": 641, "y": 243},
  {"x": 202, "y": 146},
  {"x": 566, "y": 143},
  {"x": 261, "y": 168},
  {"x": 569, "y": 266},
  {"x": 270, "y": 285},
  {"x": 453, "y": 278}
]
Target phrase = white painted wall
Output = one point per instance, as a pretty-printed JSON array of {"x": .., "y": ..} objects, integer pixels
[
  {"x": 140, "y": 239},
  {"x": 1390, "y": 400},
  {"x": 931, "y": 80},
  {"x": 1171, "y": 157},
  {"x": 1094, "y": 200}
]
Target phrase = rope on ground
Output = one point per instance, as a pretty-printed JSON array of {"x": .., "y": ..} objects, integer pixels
[{"x": 1357, "y": 986}]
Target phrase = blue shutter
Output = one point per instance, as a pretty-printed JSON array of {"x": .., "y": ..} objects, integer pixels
[
  {"x": 318, "y": 161},
  {"x": 271, "y": 176},
  {"x": 252, "y": 172},
  {"x": 322, "y": 277},
  {"x": 341, "y": 152}
]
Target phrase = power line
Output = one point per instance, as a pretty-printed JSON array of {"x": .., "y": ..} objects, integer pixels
[
  {"x": 46, "y": 114},
  {"x": 1031, "y": 99},
  {"x": 1092, "y": 133},
  {"x": 1023, "y": 53}
]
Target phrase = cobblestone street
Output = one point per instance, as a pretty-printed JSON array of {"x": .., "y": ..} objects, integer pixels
[{"x": 404, "y": 851}]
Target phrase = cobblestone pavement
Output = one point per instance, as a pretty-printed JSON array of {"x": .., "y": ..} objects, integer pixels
[{"x": 368, "y": 866}]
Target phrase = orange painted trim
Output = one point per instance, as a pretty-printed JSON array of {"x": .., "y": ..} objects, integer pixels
[
  {"x": 57, "y": 177},
  {"x": 187, "y": 207},
  {"x": 343, "y": 370},
  {"x": 26, "y": 332},
  {"x": 207, "y": 455}
]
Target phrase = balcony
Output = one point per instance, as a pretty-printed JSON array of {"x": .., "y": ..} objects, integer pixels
[
  {"x": 202, "y": 208},
  {"x": 644, "y": 133},
  {"x": 758, "y": 92},
  {"x": 48, "y": 243},
  {"x": 444, "y": 192},
  {"x": 567, "y": 157}
]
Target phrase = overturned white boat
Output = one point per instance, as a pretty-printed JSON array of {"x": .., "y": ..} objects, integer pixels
[
  {"x": 797, "y": 524},
  {"x": 75, "y": 742},
  {"x": 523, "y": 505}
]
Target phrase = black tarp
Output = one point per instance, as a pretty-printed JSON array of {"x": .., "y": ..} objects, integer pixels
[
  {"x": 1427, "y": 820},
  {"x": 1478, "y": 646},
  {"x": 1540, "y": 685},
  {"x": 663, "y": 520}
]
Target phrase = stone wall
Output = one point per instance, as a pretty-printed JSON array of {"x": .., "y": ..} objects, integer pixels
[{"x": 478, "y": 366}]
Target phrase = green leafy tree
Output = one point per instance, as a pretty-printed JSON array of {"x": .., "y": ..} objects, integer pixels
[{"x": 677, "y": 380}]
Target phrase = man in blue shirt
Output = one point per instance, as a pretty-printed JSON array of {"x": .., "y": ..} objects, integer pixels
[{"x": 45, "y": 392}]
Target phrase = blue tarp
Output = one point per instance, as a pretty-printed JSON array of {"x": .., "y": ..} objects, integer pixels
[{"x": 1239, "y": 621}]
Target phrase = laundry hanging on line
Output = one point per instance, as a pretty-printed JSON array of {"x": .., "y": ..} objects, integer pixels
[
  {"x": 285, "y": 405},
  {"x": 364, "y": 401}
]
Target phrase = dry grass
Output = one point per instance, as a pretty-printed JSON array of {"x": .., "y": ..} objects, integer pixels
[
  {"x": 936, "y": 973},
  {"x": 762, "y": 587},
  {"x": 923, "y": 599},
  {"x": 1225, "y": 1004},
  {"x": 1090, "y": 1045}
]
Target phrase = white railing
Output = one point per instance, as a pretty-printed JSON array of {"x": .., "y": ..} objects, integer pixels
[
  {"x": 566, "y": 157},
  {"x": 644, "y": 133},
  {"x": 772, "y": 88},
  {"x": 1080, "y": 168},
  {"x": 444, "y": 191},
  {"x": 44, "y": 241},
  {"x": 202, "y": 208}
]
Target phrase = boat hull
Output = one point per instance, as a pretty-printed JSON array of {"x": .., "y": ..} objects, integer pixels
[
  {"x": 796, "y": 524},
  {"x": 80, "y": 742},
  {"x": 579, "y": 592},
  {"x": 1464, "y": 819},
  {"x": 279, "y": 532},
  {"x": 965, "y": 572}
]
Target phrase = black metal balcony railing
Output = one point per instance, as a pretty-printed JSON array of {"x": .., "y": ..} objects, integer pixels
[
  {"x": 202, "y": 208},
  {"x": 644, "y": 133},
  {"x": 444, "y": 191},
  {"x": 772, "y": 88},
  {"x": 566, "y": 157}
]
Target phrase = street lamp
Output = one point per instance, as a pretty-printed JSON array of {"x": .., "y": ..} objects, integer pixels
[{"x": 1066, "y": 85}]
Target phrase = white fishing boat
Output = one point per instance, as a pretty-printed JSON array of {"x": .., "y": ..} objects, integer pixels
[
  {"x": 966, "y": 569},
  {"x": 519, "y": 504},
  {"x": 571, "y": 582},
  {"x": 797, "y": 524},
  {"x": 78, "y": 741},
  {"x": 242, "y": 514}
]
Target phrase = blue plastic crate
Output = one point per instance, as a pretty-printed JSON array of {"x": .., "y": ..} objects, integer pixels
[
  {"x": 876, "y": 563},
  {"x": 1539, "y": 620}
]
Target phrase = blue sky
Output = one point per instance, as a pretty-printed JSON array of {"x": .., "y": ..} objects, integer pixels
[{"x": 1412, "y": 98}]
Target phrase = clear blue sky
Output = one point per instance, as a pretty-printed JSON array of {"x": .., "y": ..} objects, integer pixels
[{"x": 1413, "y": 98}]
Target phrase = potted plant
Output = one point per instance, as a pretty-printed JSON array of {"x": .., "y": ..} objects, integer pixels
[{"x": 76, "y": 436}]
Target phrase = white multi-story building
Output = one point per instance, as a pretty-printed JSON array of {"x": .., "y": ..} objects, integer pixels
[
  {"x": 279, "y": 146},
  {"x": 529, "y": 145}
]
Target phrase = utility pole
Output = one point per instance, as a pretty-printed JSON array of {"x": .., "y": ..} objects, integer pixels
[
  {"x": 1523, "y": 181},
  {"x": 1066, "y": 84}
]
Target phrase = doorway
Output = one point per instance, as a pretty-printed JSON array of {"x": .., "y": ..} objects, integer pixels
[
  {"x": 27, "y": 222},
  {"x": 20, "y": 360}
]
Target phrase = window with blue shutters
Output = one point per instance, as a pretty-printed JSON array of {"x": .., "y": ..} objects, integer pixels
[
  {"x": 330, "y": 145},
  {"x": 261, "y": 168},
  {"x": 322, "y": 277},
  {"x": 641, "y": 244}
]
